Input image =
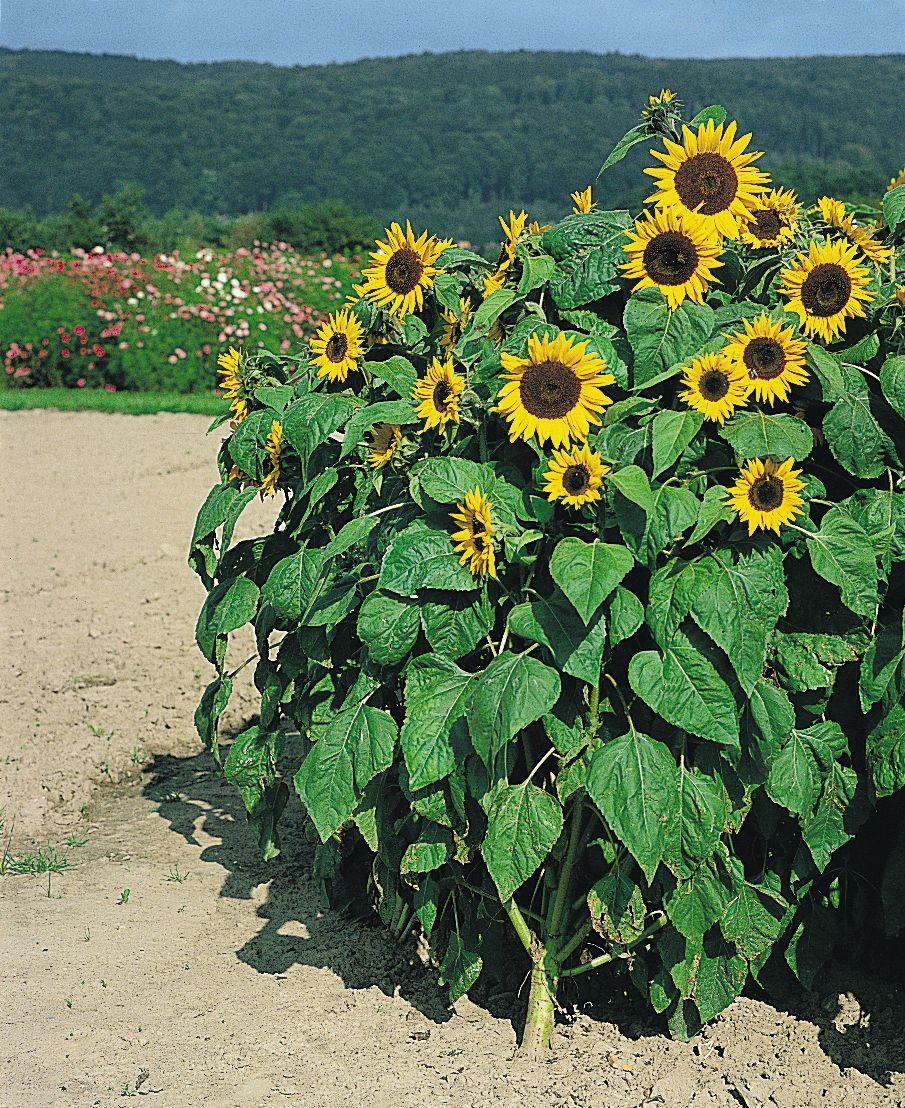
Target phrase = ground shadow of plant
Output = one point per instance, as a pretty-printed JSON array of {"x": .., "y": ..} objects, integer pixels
[{"x": 859, "y": 1018}]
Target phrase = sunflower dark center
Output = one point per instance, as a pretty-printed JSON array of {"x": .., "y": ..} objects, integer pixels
[
  {"x": 576, "y": 479},
  {"x": 826, "y": 289},
  {"x": 765, "y": 358},
  {"x": 670, "y": 258},
  {"x": 549, "y": 390},
  {"x": 714, "y": 384},
  {"x": 767, "y": 224},
  {"x": 706, "y": 183},
  {"x": 403, "y": 270},
  {"x": 766, "y": 493},
  {"x": 442, "y": 395},
  {"x": 337, "y": 345}
]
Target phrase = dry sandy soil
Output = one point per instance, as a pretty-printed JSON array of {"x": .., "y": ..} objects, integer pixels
[{"x": 168, "y": 962}]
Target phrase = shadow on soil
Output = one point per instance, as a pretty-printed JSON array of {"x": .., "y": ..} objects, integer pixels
[{"x": 860, "y": 1018}]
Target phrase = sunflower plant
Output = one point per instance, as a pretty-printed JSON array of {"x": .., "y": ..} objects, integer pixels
[{"x": 579, "y": 626}]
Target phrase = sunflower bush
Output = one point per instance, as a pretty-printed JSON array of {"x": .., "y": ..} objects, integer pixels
[{"x": 582, "y": 605}]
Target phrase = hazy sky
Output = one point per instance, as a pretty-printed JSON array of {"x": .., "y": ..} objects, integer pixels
[{"x": 307, "y": 31}]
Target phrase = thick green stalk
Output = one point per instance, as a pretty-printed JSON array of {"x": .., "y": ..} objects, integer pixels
[{"x": 540, "y": 1016}]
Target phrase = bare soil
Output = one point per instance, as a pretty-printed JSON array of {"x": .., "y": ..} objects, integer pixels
[{"x": 168, "y": 962}]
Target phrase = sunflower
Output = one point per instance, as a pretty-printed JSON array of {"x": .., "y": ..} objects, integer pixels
[
  {"x": 772, "y": 221},
  {"x": 439, "y": 391},
  {"x": 338, "y": 345},
  {"x": 768, "y": 357},
  {"x": 493, "y": 282},
  {"x": 899, "y": 179},
  {"x": 512, "y": 232},
  {"x": 385, "y": 438},
  {"x": 766, "y": 494},
  {"x": 714, "y": 386},
  {"x": 709, "y": 174},
  {"x": 582, "y": 202},
  {"x": 575, "y": 476},
  {"x": 664, "y": 102},
  {"x": 825, "y": 287},
  {"x": 535, "y": 227},
  {"x": 674, "y": 252},
  {"x": 402, "y": 268},
  {"x": 555, "y": 393},
  {"x": 274, "y": 447},
  {"x": 232, "y": 386},
  {"x": 454, "y": 323},
  {"x": 832, "y": 211},
  {"x": 866, "y": 241},
  {"x": 474, "y": 540}
]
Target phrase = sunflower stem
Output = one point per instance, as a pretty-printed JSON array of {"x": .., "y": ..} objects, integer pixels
[{"x": 604, "y": 959}]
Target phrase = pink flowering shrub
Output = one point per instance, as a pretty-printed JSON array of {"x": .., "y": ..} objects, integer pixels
[{"x": 122, "y": 321}]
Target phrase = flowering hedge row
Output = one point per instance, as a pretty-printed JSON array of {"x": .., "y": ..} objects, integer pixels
[{"x": 584, "y": 590}]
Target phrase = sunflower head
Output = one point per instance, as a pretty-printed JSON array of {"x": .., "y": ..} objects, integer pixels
[
  {"x": 338, "y": 345},
  {"x": 826, "y": 287},
  {"x": 714, "y": 386},
  {"x": 832, "y": 211},
  {"x": 385, "y": 438},
  {"x": 768, "y": 356},
  {"x": 554, "y": 393},
  {"x": 274, "y": 447},
  {"x": 473, "y": 541},
  {"x": 660, "y": 104},
  {"x": 709, "y": 174},
  {"x": 231, "y": 365},
  {"x": 674, "y": 252},
  {"x": 582, "y": 201},
  {"x": 512, "y": 232},
  {"x": 575, "y": 476},
  {"x": 493, "y": 282},
  {"x": 402, "y": 268},
  {"x": 438, "y": 392},
  {"x": 772, "y": 220},
  {"x": 454, "y": 323},
  {"x": 767, "y": 494}
]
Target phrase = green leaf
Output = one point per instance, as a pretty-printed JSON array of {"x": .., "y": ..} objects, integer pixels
[
  {"x": 856, "y": 440},
  {"x": 886, "y": 752},
  {"x": 397, "y": 372},
  {"x": 213, "y": 703},
  {"x": 825, "y": 831},
  {"x": 698, "y": 901},
  {"x": 246, "y": 445},
  {"x": 632, "y": 780},
  {"x": 311, "y": 420},
  {"x": 753, "y": 918},
  {"x": 252, "y": 757},
  {"x": 828, "y": 370},
  {"x": 672, "y": 432},
  {"x": 436, "y": 693},
  {"x": 552, "y": 622},
  {"x": 702, "y": 813},
  {"x": 634, "y": 485},
  {"x": 646, "y": 534},
  {"x": 420, "y": 557},
  {"x": 842, "y": 553},
  {"x": 738, "y": 604},
  {"x": 714, "y": 509},
  {"x": 617, "y": 907},
  {"x": 399, "y": 412},
  {"x": 772, "y": 720},
  {"x": 809, "y": 661},
  {"x": 685, "y": 689},
  {"x": 514, "y": 691},
  {"x": 796, "y": 776},
  {"x": 491, "y": 309},
  {"x": 884, "y": 657},
  {"x": 586, "y": 276},
  {"x": 455, "y": 625},
  {"x": 892, "y": 381},
  {"x": 447, "y": 480},
  {"x": 712, "y": 974},
  {"x": 641, "y": 133},
  {"x": 432, "y": 849},
  {"x": 388, "y": 627},
  {"x": 716, "y": 112},
  {"x": 228, "y": 606},
  {"x": 536, "y": 271},
  {"x": 460, "y": 968},
  {"x": 626, "y": 615},
  {"x": 523, "y": 823},
  {"x": 290, "y": 589},
  {"x": 353, "y": 748},
  {"x": 660, "y": 338},
  {"x": 222, "y": 508},
  {"x": 587, "y": 572},
  {"x": 756, "y": 434},
  {"x": 349, "y": 535},
  {"x": 894, "y": 207}
]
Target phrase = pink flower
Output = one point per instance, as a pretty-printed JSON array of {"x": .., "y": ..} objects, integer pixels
[{"x": 81, "y": 382}]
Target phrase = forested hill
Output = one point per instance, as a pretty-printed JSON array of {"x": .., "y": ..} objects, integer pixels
[{"x": 450, "y": 139}]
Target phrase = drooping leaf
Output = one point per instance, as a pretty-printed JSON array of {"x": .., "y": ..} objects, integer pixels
[
  {"x": 398, "y": 412},
  {"x": 460, "y": 968},
  {"x": 388, "y": 626},
  {"x": 841, "y": 552},
  {"x": 886, "y": 752},
  {"x": 647, "y": 534},
  {"x": 455, "y": 624},
  {"x": 228, "y": 606},
  {"x": 892, "y": 381},
  {"x": 617, "y": 907},
  {"x": 436, "y": 692},
  {"x": 672, "y": 432},
  {"x": 576, "y": 649},
  {"x": 702, "y": 813},
  {"x": 587, "y": 572},
  {"x": 755, "y": 434},
  {"x": 514, "y": 691},
  {"x": 420, "y": 557},
  {"x": 523, "y": 823},
  {"x": 661, "y": 338},
  {"x": 857, "y": 441}
]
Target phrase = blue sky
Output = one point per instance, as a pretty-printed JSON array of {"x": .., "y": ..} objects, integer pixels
[{"x": 305, "y": 31}]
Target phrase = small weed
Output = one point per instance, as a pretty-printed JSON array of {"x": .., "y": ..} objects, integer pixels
[
  {"x": 124, "y": 898},
  {"x": 137, "y": 755},
  {"x": 99, "y": 732},
  {"x": 177, "y": 875},
  {"x": 75, "y": 840}
]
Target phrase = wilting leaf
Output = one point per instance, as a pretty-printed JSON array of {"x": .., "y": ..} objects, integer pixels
[{"x": 523, "y": 823}]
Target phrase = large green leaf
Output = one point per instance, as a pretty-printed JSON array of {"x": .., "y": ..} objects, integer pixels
[
  {"x": 683, "y": 687},
  {"x": 399, "y": 412},
  {"x": 587, "y": 572},
  {"x": 222, "y": 508},
  {"x": 852, "y": 433},
  {"x": 388, "y": 627},
  {"x": 228, "y": 606},
  {"x": 797, "y": 773},
  {"x": 825, "y": 830},
  {"x": 398, "y": 372},
  {"x": 886, "y": 752},
  {"x": 576, "y": 649},
  {"x": 523, "y": 823},
  {"x": 672, "y": 432},
  {"x": 310, "y": 420},
  {"x": 702, "y": 813},
  {"x": 436, "y": 692},
  {"x": 883, "y": 660},
  {"x": 660, "y": 338},
  {"x": 290, "y": 589},
  {"x": 738, "y": 604},
  {"x": 617, "y": 907},
  {"x": 632, "y": 780},
  {"x": 460, "y": 968},
  {"x": 454, "y": 623},
  {"x": 753, "y": 917},
  {"x": 447, "y": 480},
  {"x": 354, "y": 747},
  {"x": 647, "y": 534},
  {"x": 420, "y": 557},
  {"x": 698, "y": 900},
  {"x": 711, "y": 974},
  {"x": 514, "y": 691},
  {"x": 892, "y": 381},
  {"x": 842, "y": 553},
  {"x": 755, "y": 434},
  {"x": 894, "y": 207}
]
